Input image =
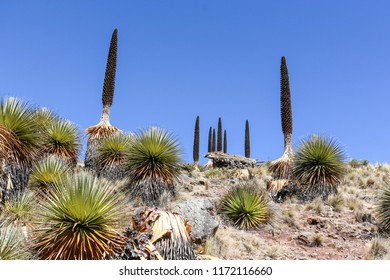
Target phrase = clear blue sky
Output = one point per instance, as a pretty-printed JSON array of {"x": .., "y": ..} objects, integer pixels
[{"x": 179, "y": 59}]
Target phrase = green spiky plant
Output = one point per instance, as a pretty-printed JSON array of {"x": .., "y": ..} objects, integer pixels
[
  {"x": 319, "y": 166},
  {"x": 246, "y": 207},
  {"x": 219, "y": 136},
  {"x": 62, "y": 139},
  {"x": 103, "y": 129},
  {"x": 12, "y": 244},
  {"x": 19, "y": 209},
  {"x": 45, "y": 116},
  {"x": 111, "y": 155},
  {"x": 80, "y": 219},
  {"x": 282, "y": 167},
  {"x": 47, "y": 173},
  {"x": 247, "y": 141},
  {"x": 224, "y": 142},
  {"x": 382, "y": 209},
  {"x": 152, "y": 165},
  {"x": 195, "y": 153},
  {"x": 19, "y": 135}
]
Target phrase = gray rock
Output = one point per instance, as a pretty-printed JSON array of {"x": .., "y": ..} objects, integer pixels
[{"x": 197, "y": 213}]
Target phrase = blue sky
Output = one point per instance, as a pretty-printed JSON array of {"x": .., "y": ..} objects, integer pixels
[{"x": 179, "y": 59}]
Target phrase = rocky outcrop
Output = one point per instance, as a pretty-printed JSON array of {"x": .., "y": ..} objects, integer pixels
[
  {"x": 198, "y": 212},
  {"x": 230, "y": 161}
]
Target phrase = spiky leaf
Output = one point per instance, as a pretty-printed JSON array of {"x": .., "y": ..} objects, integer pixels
[
  {"x": 246, "y": 207},
  {"x": 319, "y": 165},
  {"x": 152, "y": 163},
  {"x": 47, "y": 173},
  {"x": 62, "y": 139},
  {"x": 80, "y": 221},
  {"x": 12, "y": 245},
  {"x": 111, "y": 155},
  {"x": 19, "y": 130}
]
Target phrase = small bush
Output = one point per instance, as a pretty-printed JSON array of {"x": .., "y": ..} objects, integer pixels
[
  {"x": 152, "y": 165},
  {"x": 245, "y": 207},
  {"x": 80, "y": 220},
  {"x": 336, "y": 201},
  {"x": 47, "y": 173},
  {"x": 319, "y": 166},
  {"x": 11, "y": 241}
]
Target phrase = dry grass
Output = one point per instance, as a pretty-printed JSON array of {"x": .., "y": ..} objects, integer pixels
[
  {"x": 316, "y": 240},
  {"x": 317, "y": 205},
  {"x": 353, "y": 203},
  {"x": 377, "y": 249},
  {"x": 336, "y": 201},
  {"x": 289, "y": 218},
  {"x": 244, "y": 244},
  {"x": 273, "y": 252}
]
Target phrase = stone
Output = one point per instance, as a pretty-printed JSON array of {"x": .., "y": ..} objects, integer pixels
[
  {"x": 242, "y": 174},
  {"x": 198, "y": 214},
  {"x": 221, "y": 160}
]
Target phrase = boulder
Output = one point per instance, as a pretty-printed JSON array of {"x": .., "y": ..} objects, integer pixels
[
  {"x": 221, "y": 160},
  {"x": 198, "y": 213}
]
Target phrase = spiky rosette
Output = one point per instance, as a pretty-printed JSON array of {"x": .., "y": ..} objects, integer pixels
[
  {"x": 11, "y": 243},
  {"x": 111, "y": 156},
  {"x": 62, "y": 139},
  {"x": 152, "y": 164},
  {"x": 20, "y": 138},
  {"x": 47, "y": 173},
  {"x": 19, "y": 209},
  {"x": 7, "y": 141},
  {"x": 246, "y": 207},
  {"x": 81, "y": 220},
  {"x": 319, "y": 166},
  {"x": 18, "y": 131},
  {"x": 44, "y": 116}
]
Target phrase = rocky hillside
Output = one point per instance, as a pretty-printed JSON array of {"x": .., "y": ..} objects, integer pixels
[{"x": 342, "y": 227}]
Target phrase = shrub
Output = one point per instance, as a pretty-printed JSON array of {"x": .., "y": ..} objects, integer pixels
[
  {"x": 80, "y": 219},
  {"x": 10, "y": 244},
  {"x": 245, "y": 207},
  {"x": 47, "y": 173},
  {"x": 61, "y": 138},
  {"x": 153, "y": 165},
  {"x": 319, "y": 166},
  {"x": 19, "y": 143},
  {"x": 111, "y": 156},
  {"x": 18, "y": 210}
]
